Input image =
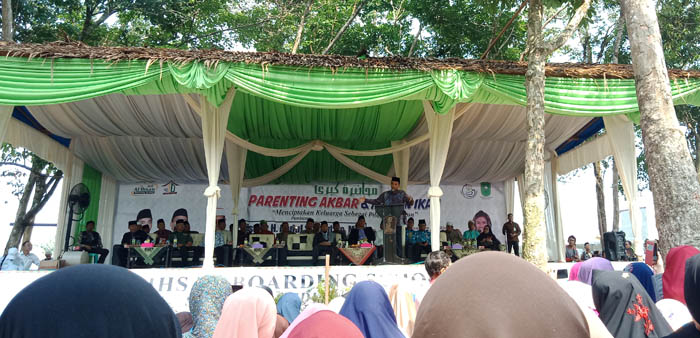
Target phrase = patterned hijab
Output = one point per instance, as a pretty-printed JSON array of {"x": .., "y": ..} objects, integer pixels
[
  {"x": 206, "y": 301},
  {"x": 625, "y": 307}
]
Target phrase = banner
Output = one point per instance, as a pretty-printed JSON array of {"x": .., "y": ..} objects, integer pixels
[
  {"x": 296, "y": 203},
  {"x": 174, "y": 285}
]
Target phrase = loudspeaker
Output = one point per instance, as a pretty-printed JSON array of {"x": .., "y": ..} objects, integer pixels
[{"x": 614, "y": 245}]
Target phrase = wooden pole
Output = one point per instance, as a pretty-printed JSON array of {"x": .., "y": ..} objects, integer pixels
[{"x": 327, "y": 282}]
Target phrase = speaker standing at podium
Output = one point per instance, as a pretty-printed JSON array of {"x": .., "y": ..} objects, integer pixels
[{"x": 395, "y": 196}]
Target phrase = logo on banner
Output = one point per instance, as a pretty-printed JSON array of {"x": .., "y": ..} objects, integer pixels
[
  {"x": 170, "y": 188},
  {"x": 485, "y": 189},
  {"x": 468, "y": 191},
  {"x": 144, "y": 189}
]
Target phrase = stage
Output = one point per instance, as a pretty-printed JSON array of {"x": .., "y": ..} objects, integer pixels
[{"x": 174, "y": 284}]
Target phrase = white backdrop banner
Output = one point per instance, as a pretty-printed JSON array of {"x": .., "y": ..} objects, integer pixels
[
  {"x": 295, "y": 203},
  {"x": 174, "y": 285}
]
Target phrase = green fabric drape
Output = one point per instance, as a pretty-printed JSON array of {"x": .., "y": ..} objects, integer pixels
[
  {"x": 274, "y": 125},
  {"x": 92, "y": 178},
  {"x": 46, "y": 81}
]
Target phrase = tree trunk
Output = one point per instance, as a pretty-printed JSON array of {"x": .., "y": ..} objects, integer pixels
[
  {"x": 7, "y": 20},
  {"x": 300, "y": 29},
  {"x": 600, "y": 197},
  {"x": 355, "y": 12},
  {"x": 672, "y": 176},
  {"x": 20, "y": 219},
  {"x": 534, "y": 234},
  {"x": 615, "y": 196},
  {"x": 618, "y": 38},
  {"x": 415, "y": 40}
]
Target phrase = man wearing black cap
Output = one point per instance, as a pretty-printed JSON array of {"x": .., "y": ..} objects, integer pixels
[
  {"x": 179, "y": 214},
  {"x": 145, "y": 220},
  {"x": 420, "y": 241},
  {"x": 134, "y": 237},
  {"x": 182, "y": 243},
  {"x": 395, "y": 196},
  {"x": 360, "y": 233},
  {"x": 91, "y": 242}
]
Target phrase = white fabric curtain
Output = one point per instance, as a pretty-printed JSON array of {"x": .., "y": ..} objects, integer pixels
[
  {"x": 5, "y": 115},
  {"x": 550, "y": 222},
  {"x": 440, "y": 130},
  {"x": 277, "y": 173},
  {"x": 401, "y": 163},
  {"x": 620, "y": 132},
  {"x": 21, "y": 135},
  {"x": 72, "y": 175},
  {"x": 235, "y": 158},
  {"x": 509, "y": 189},
  {"x": 105, "y": 216},
  {"x": 589, "y": 152},
  {"x": 560, "y": 244},
  {"x": 214, "y": 123},
  {"x": 521, "y": 193}
]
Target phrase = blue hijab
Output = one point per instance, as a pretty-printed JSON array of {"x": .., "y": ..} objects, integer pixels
[
  {"x": 289, "y": 306},
  {"x": 368, "y": 307},
  {"x": 645, "y": 276}
]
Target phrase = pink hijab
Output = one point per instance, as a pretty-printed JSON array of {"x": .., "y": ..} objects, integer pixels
[
  {"x": 573, "y": 274},
  {"x": 248, "y": 313},
  {"x": 308, "y": 312}
]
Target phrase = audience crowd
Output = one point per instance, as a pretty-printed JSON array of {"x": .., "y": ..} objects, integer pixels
[{"x": 508, "y": 297}]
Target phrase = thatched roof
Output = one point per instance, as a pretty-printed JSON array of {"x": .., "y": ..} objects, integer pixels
[{"x": 113, "y": 54}]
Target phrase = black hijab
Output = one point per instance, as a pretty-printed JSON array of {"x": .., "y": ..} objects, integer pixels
[
  {"x": 89, "y": 300},
  {"x": 625, "y": 307}
]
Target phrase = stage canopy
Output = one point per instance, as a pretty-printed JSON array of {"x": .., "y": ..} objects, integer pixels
[{"x": 140, "y": 115}]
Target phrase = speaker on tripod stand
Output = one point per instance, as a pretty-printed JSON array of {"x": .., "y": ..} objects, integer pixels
[{"x": 614, "y": 245}]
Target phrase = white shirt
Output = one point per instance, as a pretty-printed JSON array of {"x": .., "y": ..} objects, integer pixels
[
  {"x": 379, "y": 237},
  {"x": 25, "y": 262},
  {"x": 9, "y": 264}
]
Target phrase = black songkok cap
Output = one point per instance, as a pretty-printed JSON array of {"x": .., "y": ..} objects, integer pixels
[
  {"x": 145, "y": 213},
  {"x": 180, "y": 212}
]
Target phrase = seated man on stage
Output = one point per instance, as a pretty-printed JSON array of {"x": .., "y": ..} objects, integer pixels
[
  {"x": 420, "y": 241},
  {"x": 91, "y": 242},
  {"x": 324, "y": 243},
  {"x": 242, "y": 232},
  {"x": 162, "y": 234},
  {"x": 134, "y": 237},
  {"x": 338, "y": 230},
  {"x": 188, "y": 230},
  {"x": 223, "y": 250},
  {"x": 182, "y": 242},
  {"x": 309, "y": 228},
  {"x": 360, "y": 233},
  {"x": 453, "y": 235},
  {"x": 284, "y": 233},
  {"x": 264, "y": 228}
]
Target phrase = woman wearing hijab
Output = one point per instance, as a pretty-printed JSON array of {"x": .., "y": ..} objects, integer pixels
[
  {"x": 325, "y": 324},
  {"x": 506, "y": 311},
  {"x": 573, "y": 274},
  {"x": 645, "y": 276},
  {"x": 185, "y": 320},
  {"x": 487, "y": 240},
  {"x": 308, "y": 312},
  {"x": 289, "y": 306},
  {"x": 692, "y": 298},
  {"x": 206, "y": 301},
  {"x": 89, "y": 300},
  {"x": 368, "y": 307},
  {"x": 248, "y": 313},
  {"x": 585, "y": 272},
  {"x": 674, "y": 275},
  {"x": 625, "y": 307}
]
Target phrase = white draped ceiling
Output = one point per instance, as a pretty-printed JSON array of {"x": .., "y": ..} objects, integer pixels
[{"x": 157, "y": 137}]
